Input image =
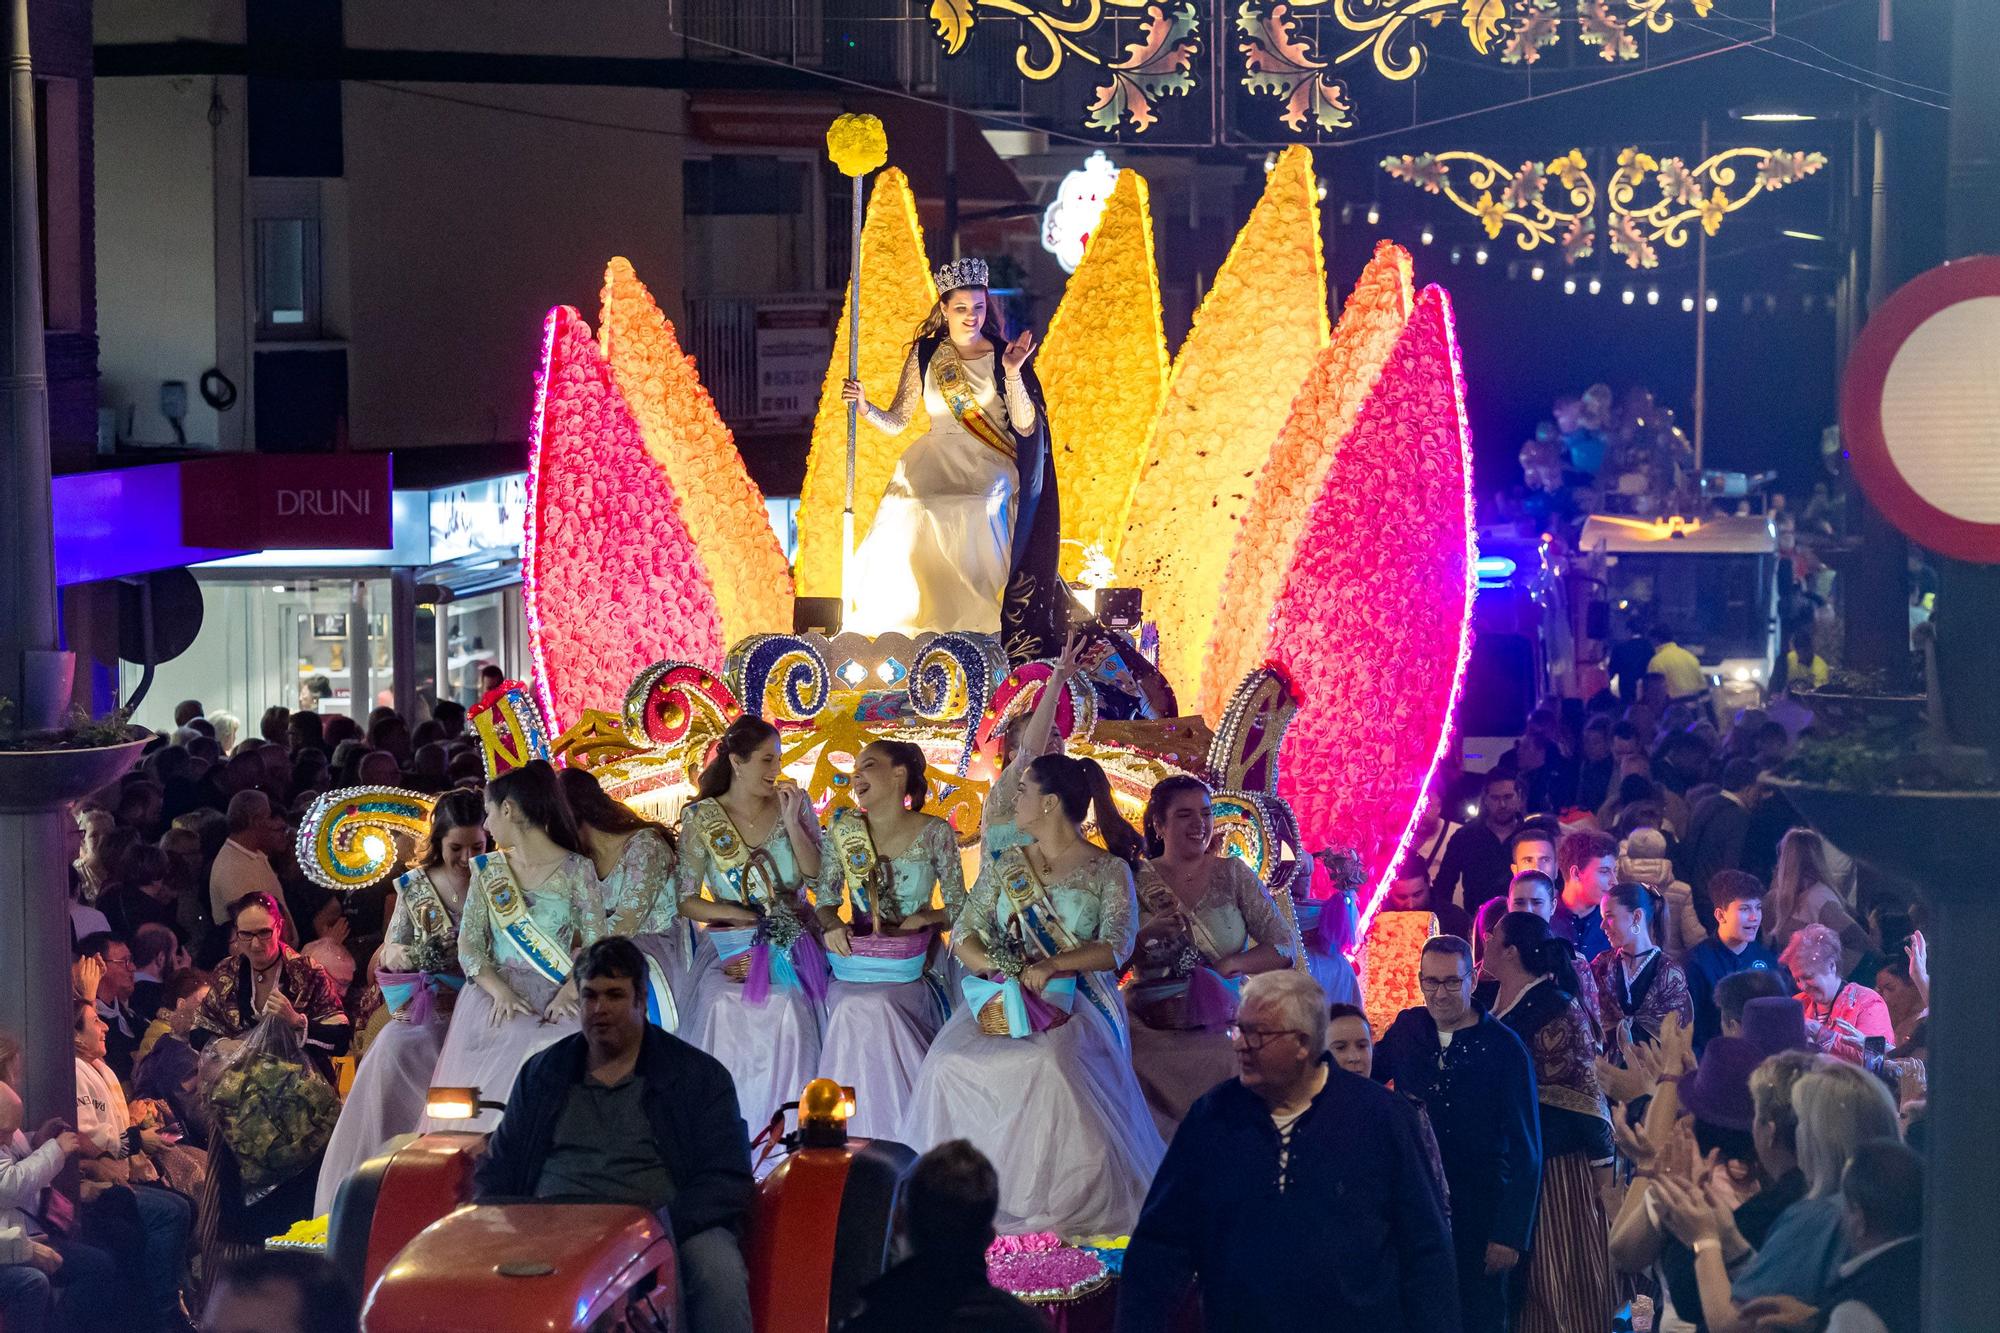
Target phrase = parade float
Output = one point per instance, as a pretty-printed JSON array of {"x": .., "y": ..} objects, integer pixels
[{"x": 1290, "y": 493}]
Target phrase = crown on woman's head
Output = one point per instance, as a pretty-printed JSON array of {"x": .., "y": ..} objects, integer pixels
[{"x": 959, "y": 273}]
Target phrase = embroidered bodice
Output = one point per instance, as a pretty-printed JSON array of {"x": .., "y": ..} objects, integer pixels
[
  {"x": 641, "y": 894},
  {"x": 1094, "y": 900},
  {"x": 979, "y": 374},
  {"x": 1235, "y": 910},
  {"x": 565, "y": 907},
  {"x": 930, "y": 860},
  {"x": 698, "y": 867}
]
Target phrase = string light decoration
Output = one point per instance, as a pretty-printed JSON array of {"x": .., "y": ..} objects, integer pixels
[
  {"x": 1373, "y": 626},
  {"x": 896, "y": 293},
  {"x": 688, "y": 440},
  {"x": 1160, "y": 64},
  {"x": 1104, "y": 370},
  {"x": 612, "y": 579},
  {"x": 1322, "y": 415},
  {"x": 1252, "y": 345},
  {"x": 1555, "y": 202}
]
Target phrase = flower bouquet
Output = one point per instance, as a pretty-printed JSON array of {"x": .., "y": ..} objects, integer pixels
[{"x": 428, "y": 986}]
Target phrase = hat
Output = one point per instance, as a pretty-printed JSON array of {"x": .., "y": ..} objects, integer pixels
[
  {"x": 1774, "y": 1023},
  {"x": 1719, "y": 1089}
]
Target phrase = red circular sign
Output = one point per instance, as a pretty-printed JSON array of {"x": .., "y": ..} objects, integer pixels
[{"x": 1920, "y": 409}]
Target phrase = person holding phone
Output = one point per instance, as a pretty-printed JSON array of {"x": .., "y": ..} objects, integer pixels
[{"x": 1841, "y": 1015}]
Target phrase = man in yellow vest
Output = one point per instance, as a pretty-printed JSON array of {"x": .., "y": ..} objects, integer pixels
[{"x": 1686, "y": 682}]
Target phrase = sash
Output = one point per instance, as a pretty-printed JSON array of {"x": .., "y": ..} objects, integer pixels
[
  {"x": 860, "y": 866},
  {"x": 874, "y": 967},
  {"x": 733, "y": 941},
  {"x": 1029, "y": 899},
  {"x": 1060, "y": 994},
  {"x": 956, "y": 390},
  {"x": 743, "y": 868},
  {"x": 413, "y": 997},
  {"x": 1158, "y": 897},
  {"x": 507, "y": 906},
  {"x": 661, "y": 1010}
]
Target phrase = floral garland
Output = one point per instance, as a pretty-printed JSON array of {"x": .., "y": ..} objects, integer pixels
[
  {"x": 1251, "y": 348},
  {"x": 686, "y": 436},
  {"x": 1322, "y": 416},
  {"x": 612, "y": 580},
  {"x": 896, "y": 294},
  {"x": 1042, "y": 1270},
  {"x": 1374, "y": 620},
  {"x": 1103, "y": 367}
]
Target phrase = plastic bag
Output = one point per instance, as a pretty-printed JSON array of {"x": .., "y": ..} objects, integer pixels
[{"x": 272, "y": 1107}]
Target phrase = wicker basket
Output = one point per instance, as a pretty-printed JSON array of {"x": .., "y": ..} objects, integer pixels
[
  {"x": 737, "y": 969},
  {"x": 993, "y": 1017},
  {"x": 894, "y": 947}
]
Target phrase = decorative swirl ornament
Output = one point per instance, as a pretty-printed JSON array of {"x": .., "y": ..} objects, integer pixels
[
  {"x": 953, "y": 681},
  {"x": 678, "y": 707},
  {"x": 348, "y": 837},
  {"x": 1548, "y": 203},
  {"x": 597, "y": 741},
  {"x": 510, "y": 729},
  {"x": 1244, "y": 754},
  {"x": 783, "y": 678}
]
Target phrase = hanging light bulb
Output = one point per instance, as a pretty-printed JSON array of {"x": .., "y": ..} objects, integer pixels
[
  {"x": 1652, "y": 296},
  {"x": 1427, "y": 235},
  {"x": 1596, "y": 285},
  {"x": 1536, "y": 272},
  {"x": 1270, "y": 163},
  {"x": 1456, "y": 254},
  {"x": 1712, "y": 303},
  {"x": 1479, "y": 256},
  {"x": 1628, "y": 296},
  {"x": 1687, "y": 305},
  {"x": 1374, "y": 215},
  {"x": 1569, "y": 286}
]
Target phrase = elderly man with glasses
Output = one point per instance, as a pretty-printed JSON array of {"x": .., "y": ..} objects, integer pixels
[
  {"x": 1291, "y": 1157},
  {"x": 1477, "y": 1084}
]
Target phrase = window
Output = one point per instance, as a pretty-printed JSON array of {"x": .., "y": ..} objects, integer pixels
[{"x": 286, "y": 242}]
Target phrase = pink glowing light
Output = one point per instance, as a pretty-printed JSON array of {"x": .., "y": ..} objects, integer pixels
[
  {"x": 1373, "y": 624},
  {"x": 611, "y": 579}
]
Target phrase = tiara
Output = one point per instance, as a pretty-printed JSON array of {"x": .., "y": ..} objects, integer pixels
[{"x": 961, "y": 273}]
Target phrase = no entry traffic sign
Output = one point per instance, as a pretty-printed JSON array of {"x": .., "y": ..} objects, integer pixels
[{"x": 1920, "y": 409}]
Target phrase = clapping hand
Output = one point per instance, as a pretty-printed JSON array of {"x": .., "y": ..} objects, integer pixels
[
  {"x": 1919, "y": 951},
  {"x": 86, "y": 973},
  {"x": 1018, "y": 351}
]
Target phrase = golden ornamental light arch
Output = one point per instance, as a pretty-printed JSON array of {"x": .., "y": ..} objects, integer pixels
[{"x": 1649, "y": 202}]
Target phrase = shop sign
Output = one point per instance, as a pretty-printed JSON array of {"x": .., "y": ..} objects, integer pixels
[
  {"x": 794, "y": 343},
  {"x": 289, "y": 502}
]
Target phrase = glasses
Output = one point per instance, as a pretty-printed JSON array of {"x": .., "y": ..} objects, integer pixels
[
  {"x": 1256, "y": 1039},
  {"x": 1452, "y": 984},
  {"x": 126, "y": 961},
  {"x": 252, "y": 936}
]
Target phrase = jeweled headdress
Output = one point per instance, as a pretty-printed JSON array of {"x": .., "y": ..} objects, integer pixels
[{"x": 961, "y": 273}]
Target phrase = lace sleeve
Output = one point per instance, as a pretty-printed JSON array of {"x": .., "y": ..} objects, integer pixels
[
  {"x": 950, "y": 867},
  {"x": 650, "y": 880},
  {"x": 398, "y": 936},
  {"x": 978, "y": 916},
  {"x": 586, "y": 904},
  {"x": 1260, "y": 912},
  {"x": 829, "y": 889},
  {"x": 1020, "y": 407},
  {"x": 475, "y": 932},
  {"x": 999, "y": 807},
  {"x": 694, "y": 859},
  {"x": 909, "y": 392},
  {"x": 1118, "y": 920}
]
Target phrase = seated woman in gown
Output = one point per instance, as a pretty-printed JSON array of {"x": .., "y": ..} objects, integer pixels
[
  {"x": 1205, "y": 923},
  {"x": 969, "y": 519},
  {"x": 885, "y": 858},
  {"x": 638, "y": 880},
  {"x": 418, "y": 970},
  {"x": 1034, "y": 1069},
  {"x": 531, "y": 906},
  {"x": 751, "y": 841}
]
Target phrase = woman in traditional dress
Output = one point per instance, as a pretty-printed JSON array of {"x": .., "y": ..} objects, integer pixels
[
  {"x": 969, "y": 518},
  {"x": 638, "y": 881},
  {"x": 1569, "y": 1283},
  {"x": 1205, "y": 923},
  {"x": 530, "y": 907},
  {"x": 1034, "y": 1069},
  {"x": 749, "y": 844},
  {"x": 1635, "y": 981},
  {"x": 418, "y": 971},
  {"x": 886, "y": 858}
]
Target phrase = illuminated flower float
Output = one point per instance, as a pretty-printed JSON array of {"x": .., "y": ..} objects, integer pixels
[{"x": 1291, "y": 494}]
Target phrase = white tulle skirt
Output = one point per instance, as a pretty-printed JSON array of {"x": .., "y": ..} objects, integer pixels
[
  {"x": 937, "y": 555},
  {"x": 1175, "y": 1068},
  {"x": 1059, "y": 1114},
  {"x": 478, "y": 1055},
  {"x": 387, "y": 1099},
  {"x": 877, "y": 1034}
]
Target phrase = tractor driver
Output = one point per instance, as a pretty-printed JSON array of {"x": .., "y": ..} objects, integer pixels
[{"x": 624, "y": 1112}]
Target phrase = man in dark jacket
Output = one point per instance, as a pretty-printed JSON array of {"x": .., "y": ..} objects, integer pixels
[
  {"x": 1718, "y": 831},
  {"x": 1477, "y": 1084},
  {"x": 947, "y": 1224},
  {"x": 1297, "y": 1195},
  {"x": 626, "y": 1113}
]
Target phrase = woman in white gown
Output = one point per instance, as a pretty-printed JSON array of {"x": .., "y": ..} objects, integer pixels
[
  {"x": 749, "y": 845},
  {"x": 885, "y": 859},
  {"x": 530, "y": 908},
  {"x": 1053, "y": 1102},
  {"x": 638, "y": 879},
  {"x": 964, "y": 537},
  {"x": 418, "y": 971}
]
